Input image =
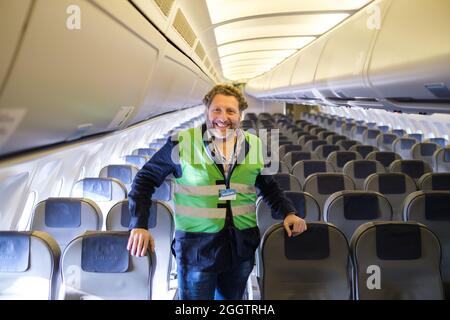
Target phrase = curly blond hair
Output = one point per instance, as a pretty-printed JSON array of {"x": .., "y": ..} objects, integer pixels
[{"x": 226, "y": 90}]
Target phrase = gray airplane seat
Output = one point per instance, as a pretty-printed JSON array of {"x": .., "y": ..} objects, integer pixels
[
  {"x": 385, "y": 140},
  {"x": 303, "y": 169},
  {"x": 359, "y": 170},
  {"x": 339, "y": 158},
  {"x": 398, "y": 132},
  {"x": 98, "y": 266},
  {"x": 305, "y": 206},
  {"x": 347, "y": 210},
  {"x": 324, "y": 135},
  {"x": 357, "y": 132},
  {"x": 370, "y": 136},
  {"x": 403, "y": 147},
  {"x": 347, "y": 129},
  {"x": 28, "y": 265},
  {"x": 312, "y": 145},
  {"x": 413, "y": 168},
  {"x": 137, "y": 161},
  {"x": 315, "y": 131},
  {"x": 105, "y": 192},
  {"x": 441, "y": 142},
  {"x": 384, "y": 129},
  {"x": 322, "y": 185},
  {"x": 283, "y": 150},
  {"x": 434, "y": 181},
  {"x": 396, "y": 261},
  {"x": 313, "y": 265},
  {"x": 424, "y": 151},
  {"x": 323, "y": 151},
  {"x": 432, "y": 208},
  {"x": 417, "y": 136},
  {"x": 385, "y": 157},
  {"x": 347, "y": 144},
  {"x": 334, "y": 139},
  {"x": 148, "y": 152},
  {"x": 363, "y": 149},
  {"x": 125, "y": 173},
  {"x": 305, "y": 139},
  {"x": 394, "y": 186},
  {"x": 66, "y": 218},
  {"x": 291, "y": 158},
  {"x": 287, "y": 182},
  {"x": 162, "y": 227},
  {"x": 441, "y": 160}
]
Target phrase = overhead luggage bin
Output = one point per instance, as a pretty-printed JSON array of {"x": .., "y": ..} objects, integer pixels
[{"x": 410, "y": 62}]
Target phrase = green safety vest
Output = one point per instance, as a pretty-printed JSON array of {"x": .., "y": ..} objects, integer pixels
[{"x": 196, "y": 196}]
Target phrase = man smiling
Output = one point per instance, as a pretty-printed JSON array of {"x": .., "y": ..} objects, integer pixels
[{"x": 217, "y": 175}]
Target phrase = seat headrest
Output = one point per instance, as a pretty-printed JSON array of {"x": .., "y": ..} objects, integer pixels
[
  {"x": 361, "y": 206},
  {"x": 14, "y": 251},
  {"x": 440, "y": 181},
  {"x": 437, "y": 206},
  {"x": 328, "y": 184},
  {"x": 122, "y": 173},
  {"x": 313, "y": 244},
  {"x": 105, "y": 253},
  {"x": 298, "y": 199},
  {"x": 62, "y": 213},
  {"x": 347, "y": 144},
  {"x": 343, "y": 157},
  {"x": 398, "y": 241},
  {"x": 283, "y": 180},
  {"x": 317, "y": 143},
  {"x": 327, "y": 149},
  {"x": 386, "y": 158},
  {"x": 392, "y": 183},
  {"x": 97, "y": 189},
  {"x": 413, "y": 168},
  {"x": 389, "y": 138},
  {"x": 447, "y": 155},
  {"x": 372, "y": 133},
  {"x": 314, "y": 166},
  {"x": 427, "y": 149},
  {"x": 364, "y": 150},
  {"x": 406, "y": 143},
  {"x": 299, "y": 156},
  {"x": 125, "y": 215},
  {"x": 364, "y": 168}
]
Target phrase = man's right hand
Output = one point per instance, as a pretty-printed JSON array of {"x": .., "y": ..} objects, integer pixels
[{"x": 139, "y": 241}]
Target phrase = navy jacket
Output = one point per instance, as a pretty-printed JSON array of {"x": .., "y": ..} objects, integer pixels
[{"x": 215, "y": 252}]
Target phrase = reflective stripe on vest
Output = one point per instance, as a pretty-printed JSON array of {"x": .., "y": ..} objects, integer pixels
[{"x": 197, "y": 204}]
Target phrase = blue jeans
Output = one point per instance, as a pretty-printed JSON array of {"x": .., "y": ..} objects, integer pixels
[{"x": 201, "y": 285}]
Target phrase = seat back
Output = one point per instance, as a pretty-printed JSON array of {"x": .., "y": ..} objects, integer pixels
[
  {"x": 137, "y": 161},
  {"x": 347, "y": 210},
  {"x": 403, "y": 147},
  {"x": 434, "y": 181},
  {"x": 97, "y": 265},
  {"x": 313, "y": 265},
  {"x": 424, "y": 151},
  {"x": 394, "y": 186},
  {"x": 357, "y": 132},
  {"x": 441, "y": 142},
  {"x": 385, "y": 141},
  {"x": 398, "y": 132},
  {"x": 162, "y": 227},
  {"x": 432, "y": 208},
  {"x": 364, "y": 150},
  {"x": 334, "y": 139},
  {"x": 417, "y": 136},
  {"x": 305, "y": 139},
  {"x": 313, "y": 144},
  {"x": 287, "y": 182},
  {"x": 105, "y": 192},
  {"x": 347, "y": 144},
  {"x": 359, "y": 170},
  {"x": 66, "y": 218},
  {"x": 148, "y": 152},
  {"x": 384, "y": 157},
  {"x": 370, "y": 137},
  {"x": 283, "y": 150},
  {"x": 347, "y": 128},
  {"x": 324, "y": 135},
  {"x": 323, "y": 151},
  {"x": 28, "y": 265},
  {"x": 322, "y": 185},
  {"x": 125, "y": 173},
  {"x": 413, "y": 168},
  {"x": 441, "y": 160},
  {"x": 293, "y": 157},
  {"x": 303, "y": 169},
  {"x": 339, "y": 158},
  {"x": 396, "y": 260}
]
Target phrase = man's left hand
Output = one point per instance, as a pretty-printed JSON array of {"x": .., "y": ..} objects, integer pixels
[{"x": 299, "y": 225}]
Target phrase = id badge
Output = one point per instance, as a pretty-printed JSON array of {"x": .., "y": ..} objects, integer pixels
[{"x": 227, "y": 194}]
